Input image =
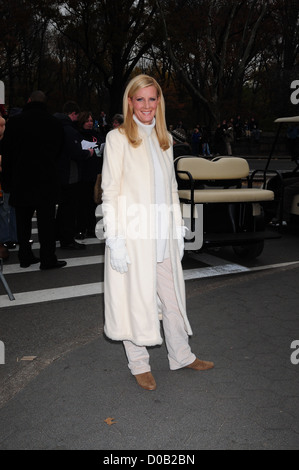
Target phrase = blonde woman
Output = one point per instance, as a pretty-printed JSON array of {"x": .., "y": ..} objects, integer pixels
[{"x": 144, "y": 232}]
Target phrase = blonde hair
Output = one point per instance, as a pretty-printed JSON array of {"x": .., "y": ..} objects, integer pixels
[{"x": 129, "y": 126}]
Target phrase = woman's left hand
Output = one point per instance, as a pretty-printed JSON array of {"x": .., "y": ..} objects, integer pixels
[{"x": 181, "y": 232}]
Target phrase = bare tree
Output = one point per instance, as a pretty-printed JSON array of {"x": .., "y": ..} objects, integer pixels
[
  {"x": 281, "y": 55},
  {"x": 24, "y": 48},
  {"x": 222, "y": 43},
  {"x": 109, "y": 37}
]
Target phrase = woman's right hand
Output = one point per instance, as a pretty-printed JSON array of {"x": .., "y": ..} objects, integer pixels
[{"x": 119, "y": 258}]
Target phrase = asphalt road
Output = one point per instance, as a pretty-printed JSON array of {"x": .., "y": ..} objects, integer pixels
[
  {"x": 54, "y": 311},
  {"x": 57, "y": 313}
]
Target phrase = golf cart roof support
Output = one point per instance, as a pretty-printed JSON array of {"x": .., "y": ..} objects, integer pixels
[{"x": 280, "y": 121}]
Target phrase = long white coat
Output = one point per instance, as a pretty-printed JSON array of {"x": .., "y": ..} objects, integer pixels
[{"x": 131, "y": 301}]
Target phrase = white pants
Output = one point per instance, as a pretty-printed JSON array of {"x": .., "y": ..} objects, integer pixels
[{"x": 176, "y": 337}]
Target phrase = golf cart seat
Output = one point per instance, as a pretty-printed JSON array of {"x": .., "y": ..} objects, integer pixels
[
  {"x": 221, "y": 181},
  {"x": 295, "y": 205},
  {"x": 212, "y": 188}
]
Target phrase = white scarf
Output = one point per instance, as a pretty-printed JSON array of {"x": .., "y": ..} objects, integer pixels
[{"x": 162, "y": 227}]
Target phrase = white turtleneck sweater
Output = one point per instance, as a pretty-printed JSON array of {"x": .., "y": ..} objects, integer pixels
[{"x": 162, "y": 220}]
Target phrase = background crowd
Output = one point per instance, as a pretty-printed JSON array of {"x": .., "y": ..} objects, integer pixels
[
  {"x": 202, "y": 141},
  {"x": 59, "y": 178},
  {"x": 49, "y": 166},
  {"x": 75, "y": 189}
]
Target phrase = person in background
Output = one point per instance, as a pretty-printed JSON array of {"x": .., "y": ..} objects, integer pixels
[
  {"x": 228, "y": 139},
  {"x": 196, "y": 141},
  {"x": 247, "y": 129},
  {"x": 117, "y": 120},
  {"x": 91, "y": 168},
  {"x": 4, "y": 253},
  {"x": 254, "y": 129},
  {"x": 293, "y": 140},
  {"x": 285, "y": 189},
  {"x": 205, "y": 140},
  {"x": 144, "y": 234},
  {"x": 238, "y": 127},
  {"x": 31, "y": 152},
  {"x": 8, "y": 226},
  {"x": 218, "y": 148},
  {"x": 103, "y": 123},
  {"x": 3, "y": 112},
  {"x": 73, "y": 157}
]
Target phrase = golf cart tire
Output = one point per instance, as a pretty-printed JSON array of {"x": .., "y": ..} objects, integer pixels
[{"x": 249, "y": 251}]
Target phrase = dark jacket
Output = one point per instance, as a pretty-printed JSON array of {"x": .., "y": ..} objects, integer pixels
[
  {"x": 31, "y": 149},
  {"x": 73, "y": 156}
]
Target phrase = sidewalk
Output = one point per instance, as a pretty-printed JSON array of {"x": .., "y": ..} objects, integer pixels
[{"x": 250, "y": 400}]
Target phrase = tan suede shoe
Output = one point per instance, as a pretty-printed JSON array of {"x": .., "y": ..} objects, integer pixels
[
  {"x": 200, "y": 365},
  {"x": 146, "y": 381}
]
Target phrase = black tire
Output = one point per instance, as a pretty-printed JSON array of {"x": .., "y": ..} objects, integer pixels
[{"x": 250, "y": 251}]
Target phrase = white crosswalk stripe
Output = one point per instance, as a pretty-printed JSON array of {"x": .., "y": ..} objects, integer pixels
[
  {"x": 59, "y": 293},
  {"x": 71, "y": 262},
  {"x": 48, "y": 295},
  {"x": 210, "y": 266}
]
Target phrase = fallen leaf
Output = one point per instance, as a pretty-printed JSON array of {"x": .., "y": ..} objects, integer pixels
[{"x": 110, "y": 421}]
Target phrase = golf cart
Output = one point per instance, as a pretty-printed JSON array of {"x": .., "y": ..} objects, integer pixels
[
  {"x": 278, "y": 180},
  {"x": 221, "y": 205}
]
